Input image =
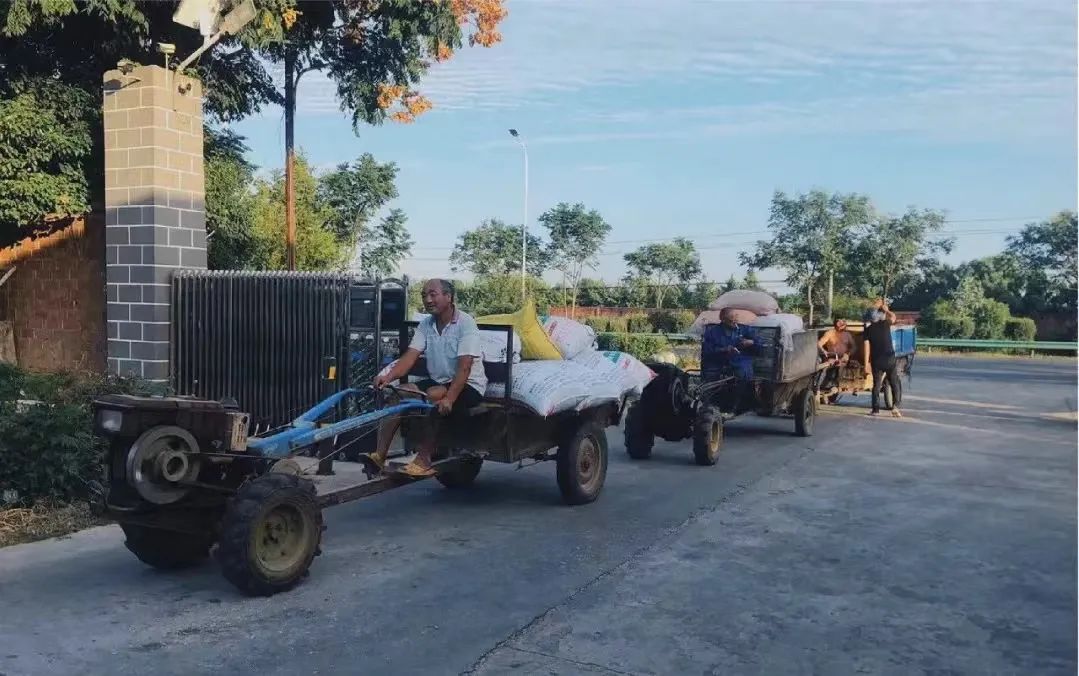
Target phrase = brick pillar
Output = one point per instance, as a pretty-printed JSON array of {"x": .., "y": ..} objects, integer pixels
[{"x": 155, "y": 218}]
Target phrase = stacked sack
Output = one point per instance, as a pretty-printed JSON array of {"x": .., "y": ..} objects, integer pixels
[
  {"x": 560, "y": 367},
  {"x": 746, "y": 305}
]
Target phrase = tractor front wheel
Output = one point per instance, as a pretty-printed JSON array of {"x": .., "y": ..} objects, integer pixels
[{"x": 270, "y": 534}]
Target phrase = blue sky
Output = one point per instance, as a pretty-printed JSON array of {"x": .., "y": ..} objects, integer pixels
[{"x": 681, "y": 117}]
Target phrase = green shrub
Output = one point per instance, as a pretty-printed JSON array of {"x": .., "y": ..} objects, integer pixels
[
  {"x": 951, "y": 326},
  {"x": 1020, "y": 328},
  {"x": 671, "y": 321},
  {"x": 617, "y": 325},
  {"x": 47, "y": 449},
  {"x": 638, "y": 323},
  {"x": 598, "y": 324},
  {"x": 990, "y": 318},
  {"x": 641, "y": 347}
]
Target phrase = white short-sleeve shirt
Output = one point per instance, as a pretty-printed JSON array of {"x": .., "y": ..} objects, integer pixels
[{"x": 461, "y": 337}]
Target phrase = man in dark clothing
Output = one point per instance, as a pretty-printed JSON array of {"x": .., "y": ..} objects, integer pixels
[{"x": 878, "y": 340}]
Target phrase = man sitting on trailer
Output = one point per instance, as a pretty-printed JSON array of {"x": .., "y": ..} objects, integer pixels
[
  {"x": 838, "y": 342},
  {"x": 450, "y": 341}
]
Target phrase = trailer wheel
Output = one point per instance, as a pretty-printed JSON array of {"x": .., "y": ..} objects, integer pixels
[
  {"x": 462, "y": 475},
  {"x": 582, "y": 464},
  {"x": 639, "y": 437},
  {"x": 707, "y": 435},
  {"x": 270, "y": 534},
  {"x": 805, "y": 413},
  {"x": 164, "y": 549}
]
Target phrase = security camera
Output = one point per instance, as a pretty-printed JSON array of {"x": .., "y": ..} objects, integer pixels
[{"x": 166, "y": 48}]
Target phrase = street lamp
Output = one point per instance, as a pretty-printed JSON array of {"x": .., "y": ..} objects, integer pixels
[{"x": 524, "y": 225}]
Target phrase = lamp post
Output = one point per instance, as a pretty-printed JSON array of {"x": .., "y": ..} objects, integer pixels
[{"x": 524, "y": 225}]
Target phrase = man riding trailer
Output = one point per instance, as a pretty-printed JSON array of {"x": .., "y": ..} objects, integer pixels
[{"x": 449, "y": 340}]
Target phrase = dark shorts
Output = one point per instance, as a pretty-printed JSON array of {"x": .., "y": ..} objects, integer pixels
[{"x": 469, "y": 397}]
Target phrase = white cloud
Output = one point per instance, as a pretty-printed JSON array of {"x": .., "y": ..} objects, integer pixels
[{"x": 991, "y": 69}]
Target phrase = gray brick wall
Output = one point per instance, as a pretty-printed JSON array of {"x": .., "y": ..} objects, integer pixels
[{"x": 155, "y": 219}]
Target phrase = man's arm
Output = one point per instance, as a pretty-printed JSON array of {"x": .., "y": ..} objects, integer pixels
[
  {"x": 888, "y": 314},
  {"x": 407, "y": 361},
  {"x": 460, "y": 379},
  {"x": 404, "y": 365},
  {"x": 824, "y": 339}
]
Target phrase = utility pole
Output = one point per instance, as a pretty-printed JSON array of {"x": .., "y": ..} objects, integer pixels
[
  {"x": 524, "y": 224},
  {"x": 290, "y": 154}
]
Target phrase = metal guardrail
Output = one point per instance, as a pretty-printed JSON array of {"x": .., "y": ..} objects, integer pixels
[
  {"x": 970, "y": 343},
  {"x": 1026, "y": 345}
]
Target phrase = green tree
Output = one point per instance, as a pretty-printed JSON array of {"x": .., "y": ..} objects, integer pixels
[
  {"x": 811, "y": 239},
  {"x": 750, "y": 281},
  {"x": 53, "y": 55},
  {"x": 373, "y": 51},
  {"x": 494, "y": 248},
  {"x": 888, "y": 248},
  {"x": 595, "y": 293},
  {"x": 930, "y": 280},
  {"x": 731, "y": 284},
  {"x": 500, "y": 294},
  {"x": 576, "y": 235},
  {"x": 317, "y": 246},
  {"x": 382, "y": 248},
  {"x": 356, "y": 192},
  {"x": 663, "y": 264},
  {"x": 700, "y": 295},
  {"x": 1050, "y": 246},
  {"x": 230, "y": 202},
  {"x": 44, "y": 140}
]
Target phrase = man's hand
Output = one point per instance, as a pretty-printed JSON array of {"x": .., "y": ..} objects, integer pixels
[
  {"x": 445, "y": 405},
  {"x": 746, "y": 342},
  {"x": 382, "y": 380}
]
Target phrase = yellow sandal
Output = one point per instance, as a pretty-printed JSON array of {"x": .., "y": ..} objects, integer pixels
[{"x": 416, "y": 471}]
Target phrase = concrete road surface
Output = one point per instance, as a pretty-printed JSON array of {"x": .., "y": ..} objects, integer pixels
[{"x": 941, "y": 543}]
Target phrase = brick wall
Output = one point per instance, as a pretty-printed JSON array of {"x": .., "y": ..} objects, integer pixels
[{"x": 55, "y": 298}]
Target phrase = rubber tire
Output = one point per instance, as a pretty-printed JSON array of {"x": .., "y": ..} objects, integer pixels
[
  {"x": 703, "y": 453},
  {"x": 463, "y": 476},
  {"x": 638, "y": 436},
  {"x": 242, "y": 516},
  {"x": 805, "y": 413},
  {"x": 573, "y": 493},
  {"x": 164, "y": 549}
]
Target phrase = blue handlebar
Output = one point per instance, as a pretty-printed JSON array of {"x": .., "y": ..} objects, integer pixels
[{"x": 305, "y": 431}]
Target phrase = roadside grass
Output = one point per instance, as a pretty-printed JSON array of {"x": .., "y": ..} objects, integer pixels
[{"x": 19, "y": 525}]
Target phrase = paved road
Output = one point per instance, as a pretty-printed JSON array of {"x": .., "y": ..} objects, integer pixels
[{"x": 944, "y": 543}]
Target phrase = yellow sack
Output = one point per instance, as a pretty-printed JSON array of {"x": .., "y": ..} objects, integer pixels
[{"x": 535, "y": 343}]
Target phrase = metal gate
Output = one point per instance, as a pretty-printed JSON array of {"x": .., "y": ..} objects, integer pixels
[
  {"x": 264, "y": 339},
  {"x": 269, "y": 340}
]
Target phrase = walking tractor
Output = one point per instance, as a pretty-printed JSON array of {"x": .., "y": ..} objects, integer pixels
[
  {"x": 778, "y": 376},
  {"x": 184, "y": 476}
]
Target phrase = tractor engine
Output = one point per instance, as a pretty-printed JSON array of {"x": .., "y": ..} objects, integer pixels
[{"x": 159, "y": 448}]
